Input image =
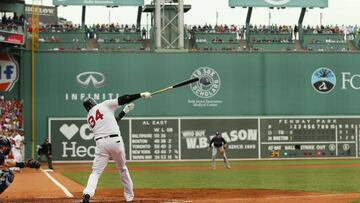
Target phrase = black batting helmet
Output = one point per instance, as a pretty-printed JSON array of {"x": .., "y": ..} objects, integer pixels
[
  {"x": 5, "y": 142},
  {"x": 89, "y": 103}
]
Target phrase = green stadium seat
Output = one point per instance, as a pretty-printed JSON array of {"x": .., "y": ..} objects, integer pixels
[
  {"x": 271, "y": 42},
  {"x": 324, "y": 42},
  {"x": 119, "y": 40},
  {"x": 121, "y": 46},
  {"x": 215, "y": 41},
  {"x": 61, "y": 46},
  {"x": 61, "y": 40},
  {"x": 273, "y": 46}
]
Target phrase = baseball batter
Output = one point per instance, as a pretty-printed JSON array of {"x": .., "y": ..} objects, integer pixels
[
  {"x": 109, "y": 143},
  {"x": 219, "y": 145}
]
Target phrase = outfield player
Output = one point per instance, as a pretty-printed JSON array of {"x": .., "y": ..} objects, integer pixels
[
  {"x": 109, "y": 143},
  {"x": 219, "y": 146},
  {"x": 6, "y": 175}
]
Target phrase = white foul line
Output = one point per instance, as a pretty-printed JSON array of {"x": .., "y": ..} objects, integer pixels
[{"x": 63, "y": 188}]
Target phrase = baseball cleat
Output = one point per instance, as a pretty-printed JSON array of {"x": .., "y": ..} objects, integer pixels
[
  {"x": 86, "y": 198},
  {"x": 129, "y": 200}
]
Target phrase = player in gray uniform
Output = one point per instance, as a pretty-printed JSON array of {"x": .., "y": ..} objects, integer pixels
[
  {"x": 219, "y": 145},
  {"x": 109, "y": 143}
]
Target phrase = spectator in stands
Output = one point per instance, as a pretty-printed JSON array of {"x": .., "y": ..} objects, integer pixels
[
  {"x": 206, "y": 28},
  {"x": 296, "y": 30},
  {"x": 22, "y": 19},
  {"x": 143, "y": 33},
  {"x": 210, "y": 28},
  {"x": 216, "y": 28},
  {"x": 357, "y": 31},
  {"x": 242, "y": 32},
  {"x": 3, "y": 19},
  {"x": 221, "y": 29},
  {"x": 233, "y": 28},
  {"x": 15, "y": 17}
]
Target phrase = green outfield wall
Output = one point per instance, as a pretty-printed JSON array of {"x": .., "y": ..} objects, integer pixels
[{"x": 232, "y": 84}]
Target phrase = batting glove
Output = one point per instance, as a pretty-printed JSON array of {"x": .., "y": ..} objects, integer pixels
[
  {"x": 129, "y": 107},
  {"x": 145, "y": 95}
]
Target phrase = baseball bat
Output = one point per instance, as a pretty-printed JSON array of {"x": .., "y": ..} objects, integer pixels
[{"x": 175, "y": 86}]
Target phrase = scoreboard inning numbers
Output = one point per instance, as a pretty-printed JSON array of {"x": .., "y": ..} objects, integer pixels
[{"x": 309, "y": 137}]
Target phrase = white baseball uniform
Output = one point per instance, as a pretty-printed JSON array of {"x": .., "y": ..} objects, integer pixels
[
  {"x": 16, "y": 150},
  {"x": 109, "y": 143}
]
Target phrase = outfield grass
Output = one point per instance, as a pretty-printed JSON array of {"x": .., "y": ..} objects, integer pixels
[
  {"x": 233, "y": 163},
  {"x": 343, "y": 180}
]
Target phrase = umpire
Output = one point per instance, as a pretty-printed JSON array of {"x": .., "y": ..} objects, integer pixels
[{"x": 46, "y": 149}]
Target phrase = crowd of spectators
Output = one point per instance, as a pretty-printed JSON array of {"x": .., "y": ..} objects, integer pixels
[
  {"x": 253, "y": 29},
  {"x": 68, "y": 27},
  {"x": 284, "y": 32},
  {"x": 109, "y": 28},
  {"x": 275, "y": 29},
  {"x": 11, "y": 126},
  {"x": 11, "y": 112},
  {"x": 272, "y": 29},
  {"x": 113, "y": 28},
  {"x": 12, "y": 23},
  {"x": 91, "y": 31},
  {"x": 212, "y": 29},
  {"x": 352, "y": 32},
  {"x": 328, "y": 29}
]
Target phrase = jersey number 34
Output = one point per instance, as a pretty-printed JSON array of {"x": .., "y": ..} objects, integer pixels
[{"x": 92, "y": 120}]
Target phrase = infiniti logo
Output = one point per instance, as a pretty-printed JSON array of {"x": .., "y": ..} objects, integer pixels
[{"x": 97, "y": 79}]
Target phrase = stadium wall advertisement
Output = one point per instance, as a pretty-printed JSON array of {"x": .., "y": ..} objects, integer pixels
[
  {"x": 231, "y": 84},
  {"x": 187, "y": 138}
]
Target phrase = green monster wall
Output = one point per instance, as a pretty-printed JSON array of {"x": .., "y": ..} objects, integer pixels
[{"x": 241, "y": 84}]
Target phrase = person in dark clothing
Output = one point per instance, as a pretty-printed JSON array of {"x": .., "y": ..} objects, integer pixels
[
  {"x": 4, "y": 19},
  {"x": 46, "y": 149},
  {"x": 296, "y": 30},
  {"x": 143, "y": 33},
  {"x": 6, "y": 175},
  {"x": 218, "y": 143}
]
